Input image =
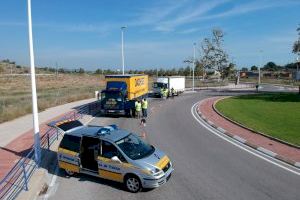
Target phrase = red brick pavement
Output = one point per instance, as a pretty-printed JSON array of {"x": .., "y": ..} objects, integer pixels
[
  {"x": 19, "y": 147},
  {"x": 206, "y": 108}
]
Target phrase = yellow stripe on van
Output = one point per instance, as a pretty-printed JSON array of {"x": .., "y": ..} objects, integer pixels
[
  {"x": 128, "y": 165},
  {"x": 104, "y": 159},
  {"x": 66, "y": 151},
  {"x": 68, "y": 166},
  {"x": 162, "y": 162},
  {"x": 110, "y": 175}
]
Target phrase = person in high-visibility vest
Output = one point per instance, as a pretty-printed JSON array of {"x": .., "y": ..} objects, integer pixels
[
  {"x": 173, "y": 92},
  {"x": 144, "y": 107},
  {"x": 165, "y": 93},
  {"x": 162, "y": 91},
  {"x": 138, "y": 109}
]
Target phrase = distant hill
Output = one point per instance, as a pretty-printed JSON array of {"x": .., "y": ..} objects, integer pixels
[{"x": 10, "y": 67}]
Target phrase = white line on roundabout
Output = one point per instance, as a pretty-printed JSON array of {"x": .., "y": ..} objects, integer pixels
[{"x": 244, "y": 147}]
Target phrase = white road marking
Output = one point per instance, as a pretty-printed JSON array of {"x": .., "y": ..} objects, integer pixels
[
  {"x": 221, "y": 129},
  {"x": 266, "y": 151},
  {"x": 242, "y": 140},
  {"x": 54, "y": 177},
  {"x": 253, "y": 152}
]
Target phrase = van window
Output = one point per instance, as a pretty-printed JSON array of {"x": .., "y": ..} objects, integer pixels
[
  {"x": 70, "y": 125},
  {"x": 71, "y": 143},
  {"x": 109, "y": 151}
]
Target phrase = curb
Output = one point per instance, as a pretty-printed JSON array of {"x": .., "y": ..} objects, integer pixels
[{"x": 245, "y": 142}]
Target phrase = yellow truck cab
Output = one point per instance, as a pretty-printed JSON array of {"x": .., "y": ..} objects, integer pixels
[
  {"x": 121, "y": 92},
  {"x": 115, "y": 154}
]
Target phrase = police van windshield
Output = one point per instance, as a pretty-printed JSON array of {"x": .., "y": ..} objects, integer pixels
[{"x": 134, "y": 147}]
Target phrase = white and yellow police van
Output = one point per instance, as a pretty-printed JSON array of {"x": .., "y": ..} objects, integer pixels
[{"x": 114, "y": 154}]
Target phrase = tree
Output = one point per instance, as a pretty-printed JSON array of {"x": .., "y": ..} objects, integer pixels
[
  {"x": 296, "y": 46},
  {"x": 99, "y": 71},
  {"x": 271, "y": 66},
  {"x": 244, "y": 69},
  {"x": 81, "y": 71},
  {"x": 291, "y": 66},
  {"x": 61, "y": 70},
  {"x": 161, "y": 72},
  {"x": 254, "y": 68},
  {"x": 187, "y": 71},
  {"x": 198, "y": 68},
  {"x": 214, "y": 56},
  {"x": 229, "y": 70}
]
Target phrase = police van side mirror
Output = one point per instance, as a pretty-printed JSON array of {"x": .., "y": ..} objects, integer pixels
[{"x": 116, "y": 159}]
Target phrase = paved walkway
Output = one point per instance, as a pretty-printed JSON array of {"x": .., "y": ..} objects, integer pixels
[
  {"x": 206, "y": 108},
  {"x": 15, "y": 128},
  {"x": 17, "y": 135}
]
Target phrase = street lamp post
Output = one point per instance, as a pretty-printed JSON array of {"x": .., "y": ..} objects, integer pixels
[
  {"x": 194, "y": 66},
  {"x": 37, "y": 148},
  {"x": 123, "y": 60},
  {"x": 260, "y": 67}
]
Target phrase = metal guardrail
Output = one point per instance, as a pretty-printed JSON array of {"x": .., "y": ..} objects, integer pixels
[{"x": 16, "y": 180}]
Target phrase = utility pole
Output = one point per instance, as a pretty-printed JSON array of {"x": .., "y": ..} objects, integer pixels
[
  {"x": 122, "y": 37},
  {"x": 37, "y": 147},
  {"x": 194, "y": 66}
]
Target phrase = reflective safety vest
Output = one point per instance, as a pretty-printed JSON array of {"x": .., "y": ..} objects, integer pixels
[
  {"x": 138, "y": 106},
  {"x": 165, "y": 92},
  {"x": 144, "y": 104}
]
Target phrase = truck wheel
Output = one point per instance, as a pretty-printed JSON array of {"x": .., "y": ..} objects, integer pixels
[
  {"x": 129, "y": 113},
  {"x": 70, "y": 173},
  {"x": 133, "y": 183}
]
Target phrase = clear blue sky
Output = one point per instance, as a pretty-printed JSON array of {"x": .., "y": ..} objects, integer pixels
[{"x": 160, "y": 33}]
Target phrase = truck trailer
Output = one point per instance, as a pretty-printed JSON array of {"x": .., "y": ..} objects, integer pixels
[
  {"x": 169, "y": 82},
  {"x": 121, "y": 93}
]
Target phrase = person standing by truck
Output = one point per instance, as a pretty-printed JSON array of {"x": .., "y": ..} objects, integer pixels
[
  {"x": 144, "y": 107},
  {"x": 172, "y": 92},
  {"x": 138, "y": 109},
  {"x": 169, "y": 82},
  {"x": 165, "y": 93}
]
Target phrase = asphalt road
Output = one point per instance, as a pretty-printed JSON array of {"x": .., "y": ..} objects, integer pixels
[{"x": 206, "y": 166}]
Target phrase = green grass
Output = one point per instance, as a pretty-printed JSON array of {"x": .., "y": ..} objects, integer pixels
[{"x": 277, "y": 115}]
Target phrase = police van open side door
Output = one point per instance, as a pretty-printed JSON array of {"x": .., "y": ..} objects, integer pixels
[
  {"x": 110, "y": 162},
  {"x": 69, "y": 148}
]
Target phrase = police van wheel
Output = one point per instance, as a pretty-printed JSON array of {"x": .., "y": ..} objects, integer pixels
[
  {"x": 70, "y": 173},
  {"x": 133, "y": 184}
]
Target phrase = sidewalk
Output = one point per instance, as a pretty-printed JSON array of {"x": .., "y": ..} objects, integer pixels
[
  {"x": 17, "y": 135},
  {"x": 282, "y": 151},
  {"x": 15, "y": 128}
]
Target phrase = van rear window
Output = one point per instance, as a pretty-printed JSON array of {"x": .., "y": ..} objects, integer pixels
[
  {"x": 70, "y": 125},
  {"x": 71, "y": 143}
]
